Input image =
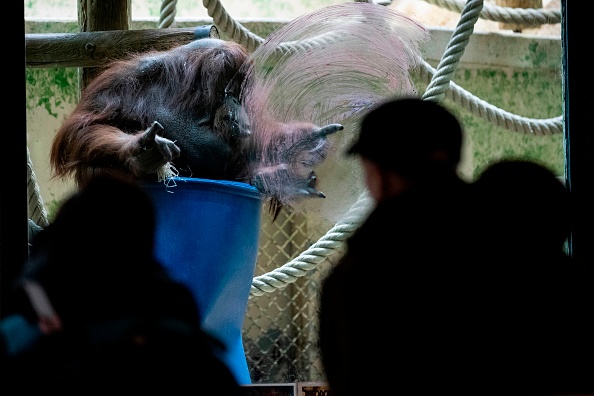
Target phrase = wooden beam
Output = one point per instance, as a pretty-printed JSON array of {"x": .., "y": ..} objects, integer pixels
[
  {"x": 98, "y": 16},
  {"x": 96, "y": 49}
]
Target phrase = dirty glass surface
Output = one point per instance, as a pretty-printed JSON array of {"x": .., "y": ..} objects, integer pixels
[{"x": 508, "y": 94}]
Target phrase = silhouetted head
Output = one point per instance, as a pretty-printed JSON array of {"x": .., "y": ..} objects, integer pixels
[
  {"x": 410, "y": 136},
  {"x": 526, "y": 203},
  {"x": 109, "y": 211},
  {"x": 98, "y": 251}
]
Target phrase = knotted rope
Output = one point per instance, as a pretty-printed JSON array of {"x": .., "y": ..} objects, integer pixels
[{"x": 37, "y": 211}]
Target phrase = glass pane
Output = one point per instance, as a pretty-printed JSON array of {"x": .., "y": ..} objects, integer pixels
[{"x": 507, "y": 90}]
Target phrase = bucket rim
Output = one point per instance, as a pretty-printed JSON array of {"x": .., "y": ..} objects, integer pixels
[{"x": 229, "y": 186}]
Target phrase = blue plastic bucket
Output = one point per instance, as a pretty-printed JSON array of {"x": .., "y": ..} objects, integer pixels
[{"x": 207, "y": 236}]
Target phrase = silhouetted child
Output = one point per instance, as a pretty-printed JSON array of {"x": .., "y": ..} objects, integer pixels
[{"x": 111, "y": 317}]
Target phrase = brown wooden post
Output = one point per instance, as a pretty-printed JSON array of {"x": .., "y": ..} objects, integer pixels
[
  {"x": 517, "y": 4},
  {"x": 101, "y": 15}
]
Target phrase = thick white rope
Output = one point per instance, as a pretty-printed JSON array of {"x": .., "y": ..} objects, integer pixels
[
  {"x": 233, "y": 29},
  {"x": 316, "y": 254},
  {"x": 167, "y": 15},
  {"x": 36, "y": 209},
  {"x": 493, "y": 114},
  {"x": 442, "y": 84},
  {"x": 455, "y": 49},
  {"x": 516, "y": 16}
]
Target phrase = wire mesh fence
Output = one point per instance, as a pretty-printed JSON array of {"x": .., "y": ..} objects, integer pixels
[{"x": 280, "y": 328}]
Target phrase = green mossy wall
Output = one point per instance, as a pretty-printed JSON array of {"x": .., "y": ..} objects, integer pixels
[{"x": 528, "y": 93}]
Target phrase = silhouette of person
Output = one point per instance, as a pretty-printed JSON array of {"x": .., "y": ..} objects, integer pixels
[
  {"x": 538, "y": 300},
  {"x": 527, "y": 210},
  {"x": 387, "y": 306},
  {"x": 450, "y": 286},
  {"x": 111, "y": 318}
]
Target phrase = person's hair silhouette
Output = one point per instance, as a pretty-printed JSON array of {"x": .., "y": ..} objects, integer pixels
[
  {"x": 411, "y": 136},
  {"x": 526, "y": 209}
]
